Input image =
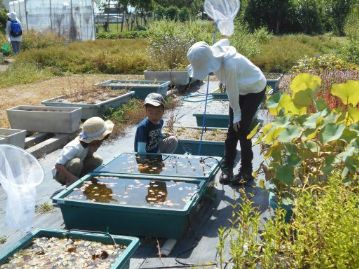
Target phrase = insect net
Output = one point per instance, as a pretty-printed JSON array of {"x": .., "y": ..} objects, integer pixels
[
  {"x": 20, "y": 173},
  {"x": 223, "y": 13}
]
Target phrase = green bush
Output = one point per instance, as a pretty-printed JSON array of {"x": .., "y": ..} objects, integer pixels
[
  {"x": 324, "y": 232},
  {"x": 326, "y": 62},
  {"x": 36, "y": 40},
  {"x": 169, "y": 42},
  {"x": 282, "y": 52},
  {"x": 126, "y": 35}
]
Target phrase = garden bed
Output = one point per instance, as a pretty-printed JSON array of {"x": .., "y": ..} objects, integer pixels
[
  {"x": 45, "y": 119},
  {"x": 212, "y": 143},
  {"x": 94, "y": 102},
  {"x": 141, "y": 87}
]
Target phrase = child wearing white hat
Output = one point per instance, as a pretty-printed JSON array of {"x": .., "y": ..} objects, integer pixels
[
  {"x": 77, "y": 157},
  {"x": 245, "y": 86}
]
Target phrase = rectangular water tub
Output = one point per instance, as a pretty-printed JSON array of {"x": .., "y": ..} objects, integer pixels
[
  {"x": 131, "y": 205},
  {"x": 122, "y": 261}
]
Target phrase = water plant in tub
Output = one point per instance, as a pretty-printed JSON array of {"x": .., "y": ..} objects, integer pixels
[
  {"x": 69, "y": 249},
  {"x": 169, "y": 165}
]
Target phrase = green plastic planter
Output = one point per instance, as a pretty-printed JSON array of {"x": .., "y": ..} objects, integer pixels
[
  {"x": 213, "y": 120},
  {"x": 121, "y": 262},
  {"x": 273, "y": 80},
  {"x": 208, "y": 148},
  {"x": 219, "y": 96},
  {"x": 167, "y": 165},
  {"x": 141, "y": 87},
  {"x": 139, "y": 218}
]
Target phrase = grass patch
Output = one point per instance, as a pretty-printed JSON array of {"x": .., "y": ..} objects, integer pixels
[
  {"x": 3, "y": 240},
  {"x": 23, "y": 73},
  {"x": 100, "y": 56},
  {"x": 282, "y": 52},
  {"x": 44, "y": 208}
]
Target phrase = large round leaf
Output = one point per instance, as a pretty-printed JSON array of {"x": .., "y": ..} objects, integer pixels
[
  {"x": 303, "y": 98},
  {"x": 304, "y": 82},
  {"x": 347, "y": 92},
  {"x": 285, "y": 174},
  {"x": 332, "y": 132},
  {"x": 289, "y": 133}
]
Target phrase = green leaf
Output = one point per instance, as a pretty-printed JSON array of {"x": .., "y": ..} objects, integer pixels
[
  {"x": 289, "y": 133},
  {"x": 312, "y": 121},
  {"x": 285, "y": 174},
  {"x": 254, "y": 131},
  {"x": 349, "y": 134},
  {"x": 273, "y": 101},
  {"x": 320, "y": 104},
  {"x": 347, "y": 92},
  {"x": 331, "y": 132},
  {"x": 305, "y": 81},
  {"x": 303, "y": 98},
  {"x": 282, "y": 121},
  {"x": 353, "y": 114},
  {"x": 312, "y": 146}
]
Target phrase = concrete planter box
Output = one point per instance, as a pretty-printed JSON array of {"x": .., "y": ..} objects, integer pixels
[
  {"x": 13, "y": 136},
  {"x": 90, "y": 110},
  {"x": 141, "y": 87},
  {"x": 176, "y": 77},
  {"x": 45, "y": 119}
]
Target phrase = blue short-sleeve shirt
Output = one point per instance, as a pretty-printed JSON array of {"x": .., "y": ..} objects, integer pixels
[{"x": 149, "y": 133}]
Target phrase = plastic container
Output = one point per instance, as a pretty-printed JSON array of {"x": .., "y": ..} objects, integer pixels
[
  {"x": 141, "y": 87},
  {"x": 213, "y": 120},
  {"x": 121, "y": 262},
  {"x": 137, "y": 217}
]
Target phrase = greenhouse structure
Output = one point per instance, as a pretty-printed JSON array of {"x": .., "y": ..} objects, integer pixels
[{"x": 71, "y": 19}]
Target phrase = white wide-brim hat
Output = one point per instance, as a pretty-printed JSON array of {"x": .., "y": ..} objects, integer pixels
[
  {"x": 95, "y": 128},
  {"x": 11, "y": 15},
  {"x": 205, "y": 59}
]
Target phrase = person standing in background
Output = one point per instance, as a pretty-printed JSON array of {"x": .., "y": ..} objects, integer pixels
[{"x": 14, "y": 32}]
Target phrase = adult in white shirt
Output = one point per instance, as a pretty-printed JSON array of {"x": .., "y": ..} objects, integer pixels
[
  {"x": 245, "y": 85},
  {"x": 14, "y": 33}
]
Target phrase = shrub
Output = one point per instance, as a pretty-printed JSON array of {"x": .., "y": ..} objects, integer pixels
[
  {"x": 36, "y": 40},
  {"x": 169, "y": 42},
  {"x": 322, "y": 234},
  {"x": 282, "y": 52},
  {"x": 126, "y": 34},
  {"x": 326, "y": 62}
]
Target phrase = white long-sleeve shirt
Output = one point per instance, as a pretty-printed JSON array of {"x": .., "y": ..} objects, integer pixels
[
  {"x": 240, "y": 76},
  {"x": 7, "y": 31}
]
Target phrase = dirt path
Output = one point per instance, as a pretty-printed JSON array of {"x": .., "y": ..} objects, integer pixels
[{"x": 34, "y": 93}]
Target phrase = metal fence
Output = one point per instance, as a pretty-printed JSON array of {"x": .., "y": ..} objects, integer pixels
[{"x": 72, "y": 19}]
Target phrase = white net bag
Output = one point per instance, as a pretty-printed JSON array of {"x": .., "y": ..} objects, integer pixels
[
  {"x": 20, "y": 173},
  {"x": 223, "y": 13}
]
